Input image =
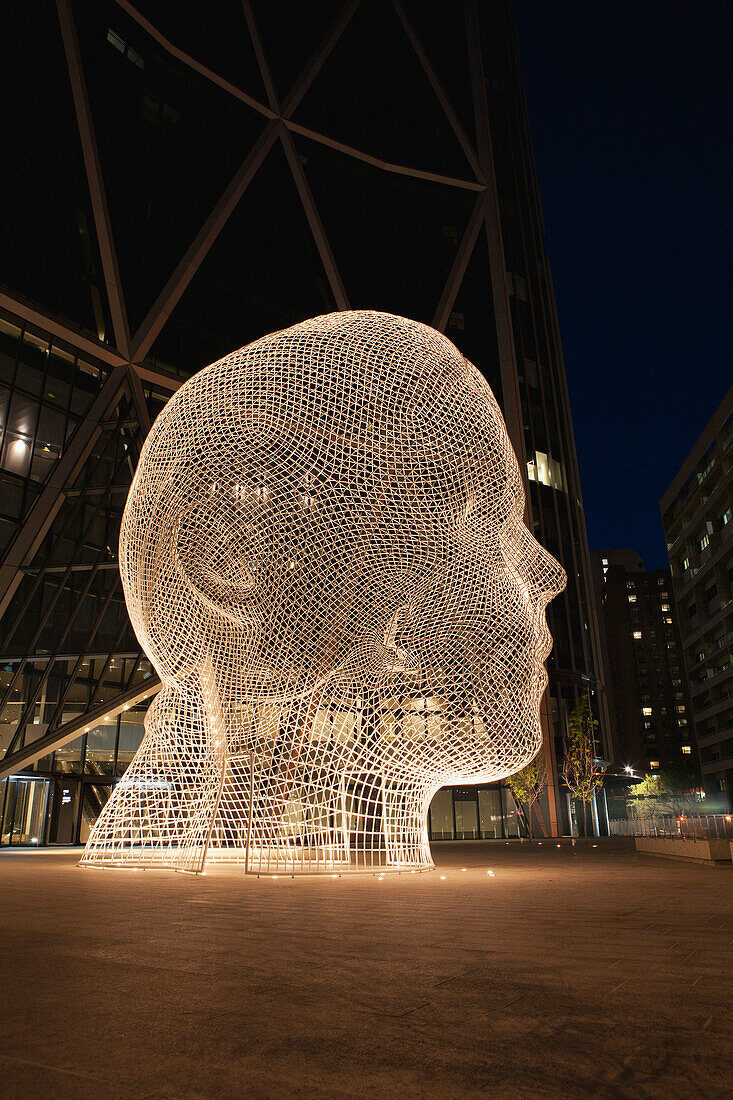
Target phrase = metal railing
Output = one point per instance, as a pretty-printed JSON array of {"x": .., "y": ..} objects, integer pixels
[{"x": 686, "y": 826}]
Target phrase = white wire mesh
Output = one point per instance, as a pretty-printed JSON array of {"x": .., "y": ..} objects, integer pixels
[{"x": 324, "y": 556}]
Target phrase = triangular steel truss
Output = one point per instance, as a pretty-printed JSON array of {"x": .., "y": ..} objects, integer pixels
[{"x": 126, "y": 355}]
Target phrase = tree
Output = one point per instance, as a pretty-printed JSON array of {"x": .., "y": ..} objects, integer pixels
[
  {"x": 528, "y": 784},
  {"x": 673, "y": 791},
  {"x": 582, "y": 767}
]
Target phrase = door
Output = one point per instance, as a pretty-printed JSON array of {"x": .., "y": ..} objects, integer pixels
[
  {"x": 25, "y": 811},
  {"x": 466, "y": 820},
  {"x": 64, "y": 812}
]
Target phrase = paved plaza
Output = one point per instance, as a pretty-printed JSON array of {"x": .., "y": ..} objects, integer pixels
[{"x": 586, "y": 972}]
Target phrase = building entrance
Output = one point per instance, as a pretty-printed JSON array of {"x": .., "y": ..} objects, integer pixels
[{"x": 24, "y": 811}]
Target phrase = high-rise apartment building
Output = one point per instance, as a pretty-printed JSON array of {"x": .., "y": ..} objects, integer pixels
[
  {"x": 180, "y": 185},
  {"x": 697, "y": 514},
  {"x": 651, "y": 725}
]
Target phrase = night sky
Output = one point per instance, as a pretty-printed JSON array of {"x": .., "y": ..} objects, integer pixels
[{"x": 631, "y": 107}]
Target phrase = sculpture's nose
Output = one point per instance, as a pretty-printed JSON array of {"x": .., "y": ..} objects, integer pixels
[{"x": 548, "y": 576}]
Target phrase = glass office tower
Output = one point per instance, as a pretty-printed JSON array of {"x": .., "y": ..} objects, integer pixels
[{"x": 180, "y": 186}]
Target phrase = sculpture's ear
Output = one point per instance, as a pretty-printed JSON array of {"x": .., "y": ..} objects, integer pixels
[{"x": 214, "y": 556}]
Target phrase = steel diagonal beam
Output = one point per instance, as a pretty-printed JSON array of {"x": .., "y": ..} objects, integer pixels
[
  {"x": 189, "y": 265},
  {"x": 262, "y": 65},
  {"x": 44, "y": 511},
  {"x": 458, "y": 270},
  {"x": 296, "y": 169},
  {"x": 314, "y": 66},
  {"x": 158, "y": 376},
  {"x": 94, "y": 179},
  {"x": 52, "y": 325},
  {"x": 511, "y": 406},
  {"x": 437, "y": 87},
  {"x": 314, "y": 221},
  {"x": 138, "y": 400},
  {"x": 171, "y": 293},
  {"x": 383, "y": 165},
  {"x": 192, "y": 63},
  {"x": 23, "y": 758}
]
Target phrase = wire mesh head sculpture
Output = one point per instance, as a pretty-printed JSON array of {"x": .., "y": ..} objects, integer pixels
[{"x": 324, "y": 556}]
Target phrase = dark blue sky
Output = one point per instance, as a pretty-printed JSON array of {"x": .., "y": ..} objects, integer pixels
[{"x": 631, "y": 108}]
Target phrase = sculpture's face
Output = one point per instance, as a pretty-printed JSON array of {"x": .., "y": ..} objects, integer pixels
[{"x": 336, "y": 508}]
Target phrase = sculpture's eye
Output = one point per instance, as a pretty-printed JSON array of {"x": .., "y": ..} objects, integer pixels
[{"x": 216, "y": 550}]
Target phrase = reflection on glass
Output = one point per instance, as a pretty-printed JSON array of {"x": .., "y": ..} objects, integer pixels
[
  {"x": 68, "y": 757},
  {"x": 466, "y": 820},
  {"x": 30, "y": 811},
  {"x": 100, "y": 756},
  {"x": 32, "y": 363},
  {"x": 441, "y": 816},
  {"x": 9, "y": 335},
  {"x": 131, "y": 734},
  {"x": 490, "y": 815},
  {"x": 95, "y": 796},
  {"x": 512, "y": 817},
  {"x": 9, "y": 794},
  {"x": 25, "y": 811}
]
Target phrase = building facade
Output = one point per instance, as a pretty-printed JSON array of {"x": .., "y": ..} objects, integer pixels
[
  {"x": 697, "y": 514},
  {"x": 181, "y": 187},
  {"x": 651, "y": 723}
]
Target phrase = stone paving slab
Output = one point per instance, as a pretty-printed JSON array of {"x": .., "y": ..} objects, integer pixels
[{"x": 585, "y": 972}]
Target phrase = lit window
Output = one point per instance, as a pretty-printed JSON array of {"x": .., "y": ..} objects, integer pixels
[
  {"x": 680, "y": 709},
  {"x": 685, "y": 564},
  {"x": 726, "y": 517},
  {"x": 686, "y": 749},
  {"x": 637, "y": 634},
  {"x": 115, "y": 40},
  {"x": 135, "y": 58},
  {"x": 604, "y": 561},
  {"x": 704, "y": 541},
  {"x": 653, "y": 763},
  {"x": 668, "y": 619},
  {"x": 666, "y": 607},
  {"x": 546, "y": 471},
  {"x": 646, "y": 711},
  {"x": 632, "y": 599},
  {"x": 681, "y": 721}
]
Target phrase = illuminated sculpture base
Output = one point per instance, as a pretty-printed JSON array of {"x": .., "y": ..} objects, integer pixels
[{"x": 295, "y": 816}]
